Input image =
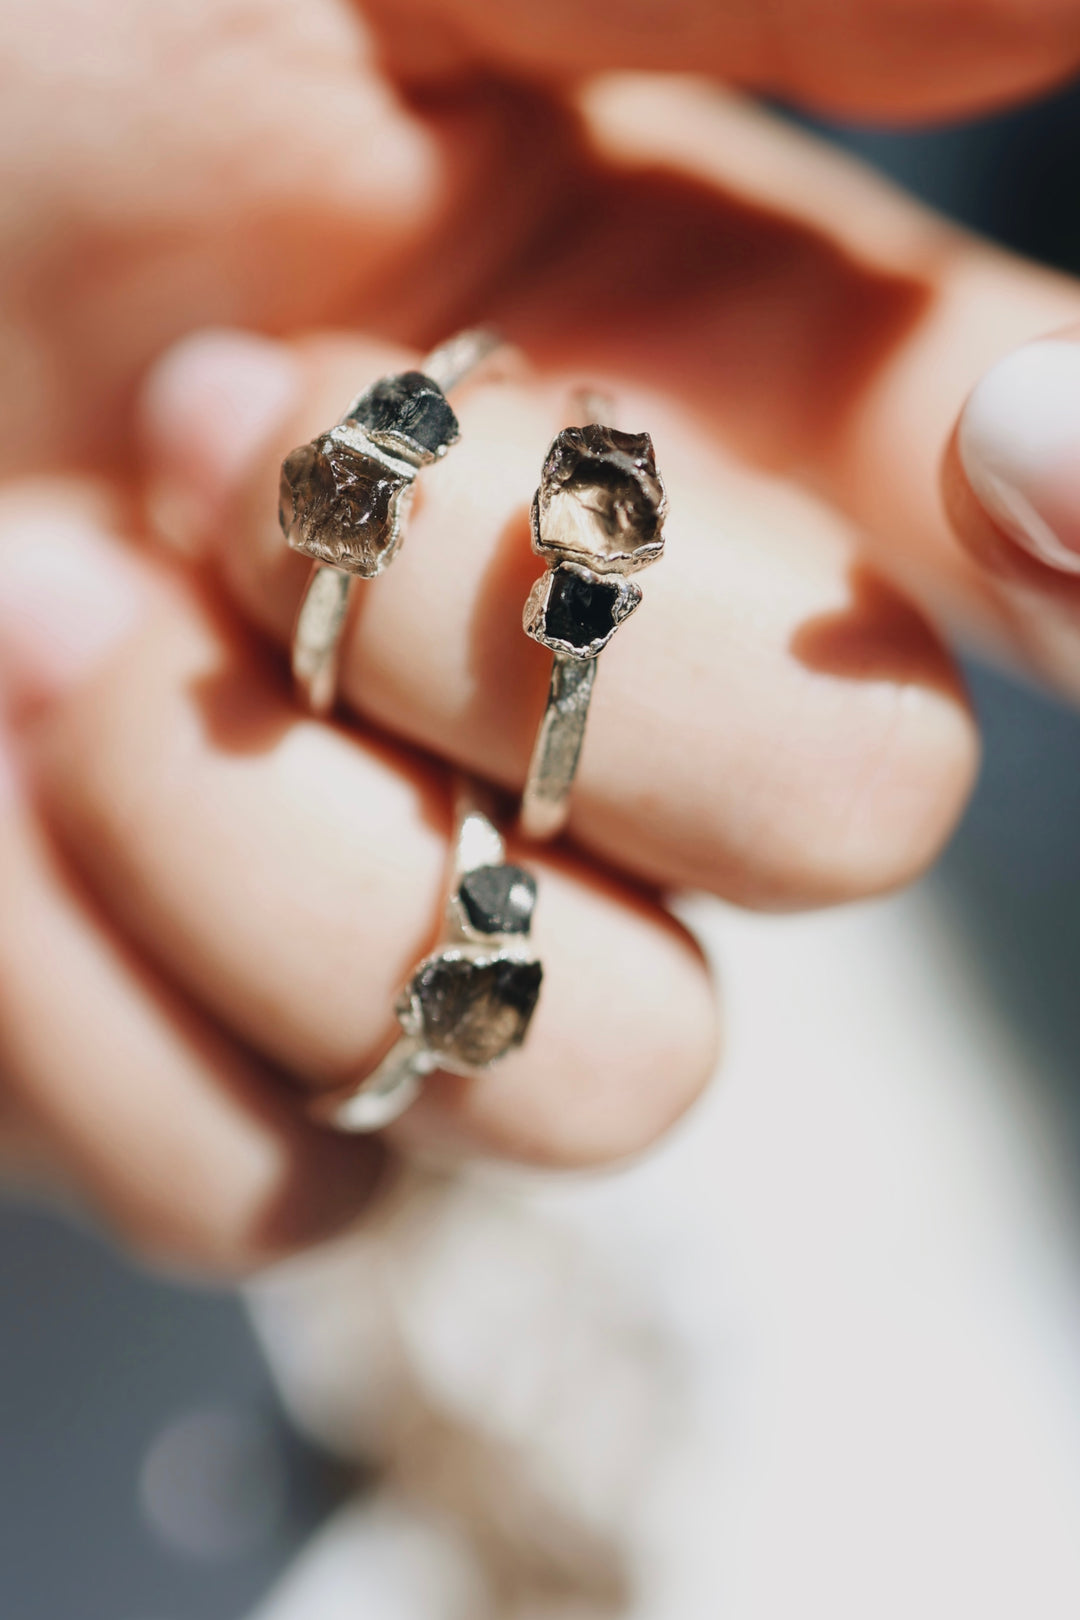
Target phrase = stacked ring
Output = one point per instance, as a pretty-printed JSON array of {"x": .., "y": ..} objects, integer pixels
[{"x": 597, "y": 518}]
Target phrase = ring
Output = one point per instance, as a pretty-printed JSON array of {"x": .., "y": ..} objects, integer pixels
[
  {"x": 597, "y": 517},
  {"x": 471, "y": 1001},
  {"x": 345, "y": 496}
]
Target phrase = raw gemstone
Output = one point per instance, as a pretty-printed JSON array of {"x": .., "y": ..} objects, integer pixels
[
  {"x": 339, "y": 506},
  {"x": 601, "y": 499},
  {"x": 580, "y": 611},
  {"x": 499, "y": 899},
  {"x": 408, "y": 410},
  {"x": 474, "y": 1011}
]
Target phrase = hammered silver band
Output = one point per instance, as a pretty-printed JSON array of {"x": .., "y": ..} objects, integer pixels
[
  {"x": 471, "y": 1000},
  {"x": 597, "y": 517},
  {"x": 345, "y": 497},
  {"x": 545, "y": 802}
]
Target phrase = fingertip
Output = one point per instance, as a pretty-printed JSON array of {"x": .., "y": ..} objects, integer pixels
[
  {"x": 1017, "y": 445},
  {"x": 903, "y": 792},
  {"x": 878, "y": 827},
  {"x": 69, "y": 593}
]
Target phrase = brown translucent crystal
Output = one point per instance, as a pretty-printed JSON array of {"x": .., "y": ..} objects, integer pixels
[
  {"x": 601, "y": 500},
  {"x": 340, "y": 506},
  {"x": 472, "y": 1011}
]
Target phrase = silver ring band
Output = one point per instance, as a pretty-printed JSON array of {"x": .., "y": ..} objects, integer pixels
[
  {"x": 471, "y": 1001},
  {"x": 345, "y": 496},
  {"x": 597, "y": 517}
]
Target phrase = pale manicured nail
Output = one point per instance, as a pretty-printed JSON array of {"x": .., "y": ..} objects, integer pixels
[
  {"x": 1019, "y": 444},
  {"x": 207, "y": 406},
  {"x": 68, "y": 595}
]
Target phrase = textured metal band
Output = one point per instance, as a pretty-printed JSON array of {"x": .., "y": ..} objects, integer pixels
[
  {"x": 323, "y": 612},
  {"x": 397, "y": 1081},
  {"x": 545, "y": 803}
]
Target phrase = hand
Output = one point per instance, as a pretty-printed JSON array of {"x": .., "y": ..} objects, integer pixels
[{"x": 209, "y": 901}]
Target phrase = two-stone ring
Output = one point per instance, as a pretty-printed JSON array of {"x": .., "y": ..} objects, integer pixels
[
  {"x": 471, "y": 1001},
  {"x": 597, "y": 517},
  {"x": 344, "y": 497}
]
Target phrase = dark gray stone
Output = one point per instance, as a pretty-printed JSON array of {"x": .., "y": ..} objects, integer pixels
[
  {"x": 408, "y": 410},
  {"x": 580, "y": 611},
  {"x": 499, "y": 899}
]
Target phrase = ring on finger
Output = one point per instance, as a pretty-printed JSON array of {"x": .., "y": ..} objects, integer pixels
[
  {"x": 470, "y": 1002},
  {"x": 597, "y": 517},
  {"x": 345, "y": 496}
]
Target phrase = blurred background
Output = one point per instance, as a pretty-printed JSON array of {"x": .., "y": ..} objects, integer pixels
[{"x": 148, "y": 1470}]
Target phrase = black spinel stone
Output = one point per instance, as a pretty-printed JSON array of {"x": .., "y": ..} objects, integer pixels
[
  {"x": 410, "y": 407},
  {"x": 337, "y": 505},
  {"x": 579, "y": 611},
  {"x": 499, "y": 899},
  {"x": 474, "y": 1012}
]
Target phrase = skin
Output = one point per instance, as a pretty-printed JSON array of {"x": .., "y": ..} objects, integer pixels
[{"x": 187, "y": 862}]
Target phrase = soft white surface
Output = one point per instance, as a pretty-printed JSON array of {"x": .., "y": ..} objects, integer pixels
[{"x": 818, "y": 1356}]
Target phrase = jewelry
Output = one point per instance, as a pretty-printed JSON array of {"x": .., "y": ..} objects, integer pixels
[
  {"x": 596, "y": 518},
  {"x": 345, "y": 496},
  {"x": 471, "y": 1001}
]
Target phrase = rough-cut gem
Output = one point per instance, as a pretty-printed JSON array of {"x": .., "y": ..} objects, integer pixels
[
  {"x": 601, "y": 499},
  {"x": 580, "y": 611},
  {"x": 573, "y": 610},
  {"x": 407, "y": 411},
  {"x": 473, "y": 1012},
  {"x": 340, "y": 506},
  {"x": 499, "y": 899}
]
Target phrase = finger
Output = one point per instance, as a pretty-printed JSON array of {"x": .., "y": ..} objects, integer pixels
[
  {"x": 1011, "y": 491},
  {"x": 288, "y": 878},
  {"x": 924, "y": 58},
  {"x": 774, "y": 724},
  {"x": 192, "y": 1149},
  {"x": 822, "y": 325}
]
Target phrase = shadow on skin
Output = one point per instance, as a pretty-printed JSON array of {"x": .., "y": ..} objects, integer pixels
[
  {"x": 877, "y": 636},
  {"x": 768, "y": 327},
  {"x": 510, "y": 671}
]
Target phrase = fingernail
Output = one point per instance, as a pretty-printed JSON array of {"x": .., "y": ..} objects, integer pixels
[
  {"x": 207, "y": 407},
  {"x": 1019, "y": 445},
  {"x": 68, "y": 595}
]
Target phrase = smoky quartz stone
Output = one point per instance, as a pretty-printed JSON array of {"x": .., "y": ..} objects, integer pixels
[
  {"x": 340, "y": 506},
  {"x": 470, "y": 1011},
  {"x": 408, "y": 412},
  {"x": 498, "y": 899},
  {"x": 601, "y": 500}
]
